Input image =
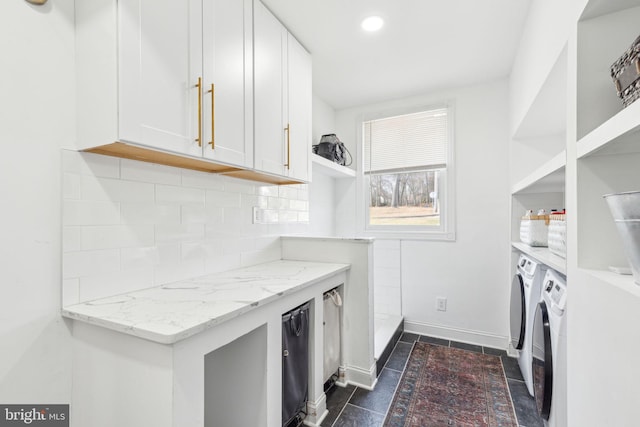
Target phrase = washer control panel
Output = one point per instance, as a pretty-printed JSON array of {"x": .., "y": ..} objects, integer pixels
[{"x": 554, "y": 291}]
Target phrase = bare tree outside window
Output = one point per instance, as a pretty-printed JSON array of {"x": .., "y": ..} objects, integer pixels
[{"x": 404, "y": 199}]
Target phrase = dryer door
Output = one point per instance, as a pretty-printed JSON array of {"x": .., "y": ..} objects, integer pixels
[
  {"x": 518, "y": 312},
  {"x": 542, "y": 364}
]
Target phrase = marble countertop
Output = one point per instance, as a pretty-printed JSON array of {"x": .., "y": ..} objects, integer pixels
[{"x": 169, "y": 313}]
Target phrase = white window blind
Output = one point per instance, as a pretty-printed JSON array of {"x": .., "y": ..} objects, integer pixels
[{"x": 406, "y": 143}]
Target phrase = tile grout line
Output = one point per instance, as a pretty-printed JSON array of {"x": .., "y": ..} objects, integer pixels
[{"x": 344, "y": 406}]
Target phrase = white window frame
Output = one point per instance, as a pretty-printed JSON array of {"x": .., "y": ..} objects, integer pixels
[{"x": 447, "y": 229}]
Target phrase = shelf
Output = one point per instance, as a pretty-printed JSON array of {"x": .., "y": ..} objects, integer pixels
[
  {"x": 543, "y": 255},
  {"x": 330, "y": 168},
  {"x": 596, "y": 8},
  {"x": 548, "y": 178},
  {"x": 616, "y": 135},
  {"x": 620, "y": 281}
]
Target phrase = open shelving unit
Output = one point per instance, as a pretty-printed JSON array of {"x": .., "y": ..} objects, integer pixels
[
  {"x": 539, "y": 150},
  {"x": 603, "y": 157},
  {"x": 329, "y": 168},
  {"x": 608, "y": 145}
]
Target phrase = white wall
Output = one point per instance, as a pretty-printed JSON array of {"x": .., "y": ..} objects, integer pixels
[
  {"x": 37, "y": 111},
  {"x": 322, "y": 187},
  {"x": 473, "y": 271},
  {"x": 544, "y": 36}
]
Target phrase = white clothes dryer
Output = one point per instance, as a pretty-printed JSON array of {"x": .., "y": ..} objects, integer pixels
[
  {"x": 549, "y": 365},
  {"x": 525, "y": 295}
]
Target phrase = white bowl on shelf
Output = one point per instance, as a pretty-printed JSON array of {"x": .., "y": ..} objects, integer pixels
[{"x": 625, "y": 208}]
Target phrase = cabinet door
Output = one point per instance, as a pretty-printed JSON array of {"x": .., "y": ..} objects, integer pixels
[
  {"x": 160, "y": 60},
  {"x": 299, "y": 108},
  {"x": 227, "y": 110},
  {"x": 269, "y": 72}
]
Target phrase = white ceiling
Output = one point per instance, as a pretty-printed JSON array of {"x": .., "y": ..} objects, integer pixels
[{"x": 424, "y": 45}]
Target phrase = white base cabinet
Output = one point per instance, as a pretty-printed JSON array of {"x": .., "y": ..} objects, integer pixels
[{"x": 228, "y": 375}]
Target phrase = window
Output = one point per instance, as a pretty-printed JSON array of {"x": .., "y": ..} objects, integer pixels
[{"x": 407, "y": 160}]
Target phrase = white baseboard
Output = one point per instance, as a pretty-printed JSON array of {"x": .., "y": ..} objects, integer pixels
[
  {"x": 457, "y": 334},
  {"x": 362, "y": 378},
  {"x": 316, "y": 411}
]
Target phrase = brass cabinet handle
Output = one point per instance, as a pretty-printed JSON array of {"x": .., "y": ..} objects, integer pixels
[
  {"x": 288, "y": 130},
  {"x": 199, "y": 86},
  {"x": 213, "y": 117}
]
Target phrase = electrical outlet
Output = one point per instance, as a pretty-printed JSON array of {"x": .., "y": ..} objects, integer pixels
[
  {"x": 257, "y": 215},
  {"x": 441, "y": 304}
]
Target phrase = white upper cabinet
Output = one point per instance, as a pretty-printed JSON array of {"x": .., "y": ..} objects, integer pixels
[
  {"x": 270, "y": 39},
  {"x": 282, "y": 94},
  {"x": 227, "y": 86},
  {"x": 300, "y": 101},
  {"x": 173, "y": 82},
  {"x": 160, "y": 62}
]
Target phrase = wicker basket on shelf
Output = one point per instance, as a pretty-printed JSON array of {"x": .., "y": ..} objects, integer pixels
[
  {"x": 626, "y": 74},
  {"x": 534, "y": 230},
  {"x": 558, "y": 234}
]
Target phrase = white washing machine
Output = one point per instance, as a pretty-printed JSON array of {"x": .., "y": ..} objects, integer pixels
[
  {"x": 525, "y": 295},
  {"x": 549, "y": 365}
]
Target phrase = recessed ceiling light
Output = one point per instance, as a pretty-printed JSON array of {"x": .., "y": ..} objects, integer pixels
[{"x": 372, "y": 23}]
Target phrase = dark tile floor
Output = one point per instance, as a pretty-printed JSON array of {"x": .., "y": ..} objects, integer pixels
[{"x": 356, "y": 407}]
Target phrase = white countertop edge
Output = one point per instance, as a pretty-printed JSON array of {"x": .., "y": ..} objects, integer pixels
[{"x": 173, "y": 338}]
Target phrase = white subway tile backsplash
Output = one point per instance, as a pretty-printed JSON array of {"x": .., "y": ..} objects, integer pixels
[
  {"x": 268, "y": 190},
  {"x": 298, "y": 205},
  {"x": 195, "y": 179},
  {"x": 249, "y": 200},
  {"x": 176, "y": 194},
  {"x": 117, "y": 236},
  {"x": 194, "y": 214},
  {"x": 214, "y": 215},
  {"x": 205, "y": 250},
  {"x": 129, "y": 225},
  {"x": 92, "y": 188},
  {"x": 72, "y": 292},
  {"x": 222, "y": 263},
  {"x": 140, "y": 257},
  {"x": 270, "y": 216},
  {"x": 174, "y": 233},
  {"x": 303, "y": 192},
  {"x": 223, "y": 199},
  {"x": 288, "y": 216},
  {"x": 259, "y": 257},
  {"x": 71, "y": 239},
  {"x": 81, "y": 212},
  {"x": 168, "y": 273},
  {"x": 150, "y": 213},
  {"x": 149, "y": 172},
  {"x": 277, "y": 203},
  {"x": 263, "y": 202},
  {"x": 233, "y": 185},
  {"x": 90, "y": 263},
  {"x": 114, "y": 283},
  {"x": 168, "y": 253},
  {"x": 90, "y": 164},
  {"x": 287, "y": 192},
  {"x": 70, "y": 186}
]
